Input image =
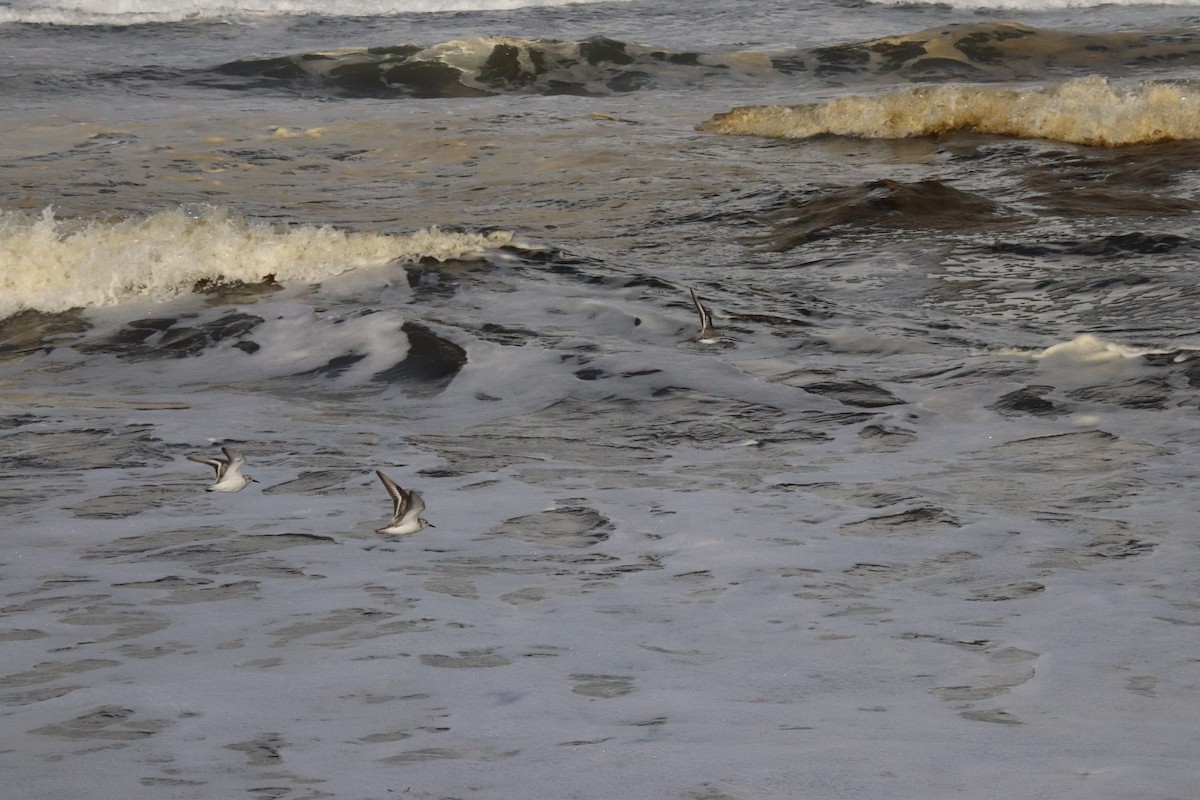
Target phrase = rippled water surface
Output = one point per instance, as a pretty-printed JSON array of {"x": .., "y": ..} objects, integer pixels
[{"x": 917, "y": 525}]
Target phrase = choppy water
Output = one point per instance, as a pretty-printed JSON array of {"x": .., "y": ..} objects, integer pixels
[{"x": 919, "y": 525}]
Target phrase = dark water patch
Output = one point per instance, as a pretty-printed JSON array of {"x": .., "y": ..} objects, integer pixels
[
  {"x": 40, "y": 603},
  {"x": 677, "y": 415},
  {"x": 1084, "y": 451},
  {"x": 131, "y": 446},
  {"x": 1169, "y": 358},
  {"x": 996, "y": 715},
  {"x": 179, "y": 342},
  {"x": 430, "y": 278},
  {"x": 642, "y": 564},
  {"x": 169, "y": 582},
  {"x": 471, "y": 659},
  {"x": 310, "y": 483},
  {"x": 125, "y": 624},
  {"x": 14, "y": 498},
  {"x": 263, "y": 750},
  {"x": 1139, "y": 180},
  {"x": 1116, "y": 546},
  {"x": 239, "y": 158},
  {"x": 233, "y": 293},
  {"x": 106, "y": 723},
  {"x": 281, "y": 541},
  {"x": 349, "y": 624},
  {"x": 971, "y": 645},
  {"x": 983, "y": 46},
  {"x": 886, "y": 204},
  {"x": 1192, "y": 372},
  {"x": 1109, "y": 549},
  {"x": 885, "y": 56},
  {"x": 923, "y": 519},
  {"x": 454, "y": 586},
  {"x": 430, "y": 364},
  {"x": 1151, "y": 393},
  {"x": 31, "y": 331},
  {"x": 169, "y": 337},
  {"x": 37, "y": 695},
  {"x": 221, "y": 553},
  {"x": 212, "y": 594},
  {"x": 54, "y": 670},
  {"x": 603, "y": 686},
  {"x": 1011, "y": 591},
  {"x": 885, "y": 438},
  {"x": 560, "y": 527},
  {"x": 128, "y": 502},
  {"x": 558, "y": 432},
  {"x": 17, "y": 420},
  {"x": 1139, "y": 243},
  {"x": 865, "y": 495},
  {"x": 279, "y": 67},
  {"x": 996, "y": 51},
  {"x": 1113, "y": 246},
  {"x": 1095, "y": 202},
  {"x": 423, "y": 754},
  {"x": 421, "y": 79},
  {"x": 505, "y": 334},
  {"x": 147, "y": 543},
  {"x": 860, "y": 394},
  {"x": 1027, "y": 400},
  {"x": 334, "y": 366}
]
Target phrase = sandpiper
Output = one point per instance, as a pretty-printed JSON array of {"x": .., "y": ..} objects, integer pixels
[
  {"x": 708, "y": 334},
  {"x": 229, "y": 471},
  {"x": 406, "y": 509}
]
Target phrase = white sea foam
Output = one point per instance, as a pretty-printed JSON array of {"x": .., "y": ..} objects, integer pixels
[
  {"x": 1084, "y": 350},
  {"x": 1089, "y": 360},
  {"x": 944, "y": 597},
  {"x": 136, "y": 12},
  {"x": 53, "y": 265}
]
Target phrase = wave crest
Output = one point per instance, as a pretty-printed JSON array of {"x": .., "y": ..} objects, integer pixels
[
  {"x": 54, "y": 265},
  {"x": 143, "y": 12},
  {"x": 483, "y": 66},
  {"x": 1090, "y": 111}
]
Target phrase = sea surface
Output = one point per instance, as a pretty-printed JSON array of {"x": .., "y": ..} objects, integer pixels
[{"x": 921, "y": 523}]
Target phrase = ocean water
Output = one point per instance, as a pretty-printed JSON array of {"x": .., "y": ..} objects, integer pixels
[{"x": 920, "y": 524}]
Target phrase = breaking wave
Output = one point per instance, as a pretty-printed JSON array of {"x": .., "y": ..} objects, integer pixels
[
  {"x": 54, "y": 265},
  {"x": 598, "y": 66},
  {"x": 1089, "y": 111},
  {"x": 140, "y": 12},
  {"x": 483, "y": 66},
  {"x": 999, "y": 51}
]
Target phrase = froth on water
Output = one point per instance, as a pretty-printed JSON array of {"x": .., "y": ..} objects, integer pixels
[
  {"x": 55, "y": 265},
  {"x": 1089, "y": 111}
]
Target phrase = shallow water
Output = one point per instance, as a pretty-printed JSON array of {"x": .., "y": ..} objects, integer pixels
[{"x": 918, "y": 525}]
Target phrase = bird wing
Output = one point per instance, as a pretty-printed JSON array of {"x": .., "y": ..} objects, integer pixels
[
  {"x": 398, "y": 495},
  {"x": 236, "y": 459},
  {"x": 705, "y": 316},
  {"x": 414, "y": 506},
  {"x": 216, "y": 463}
]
